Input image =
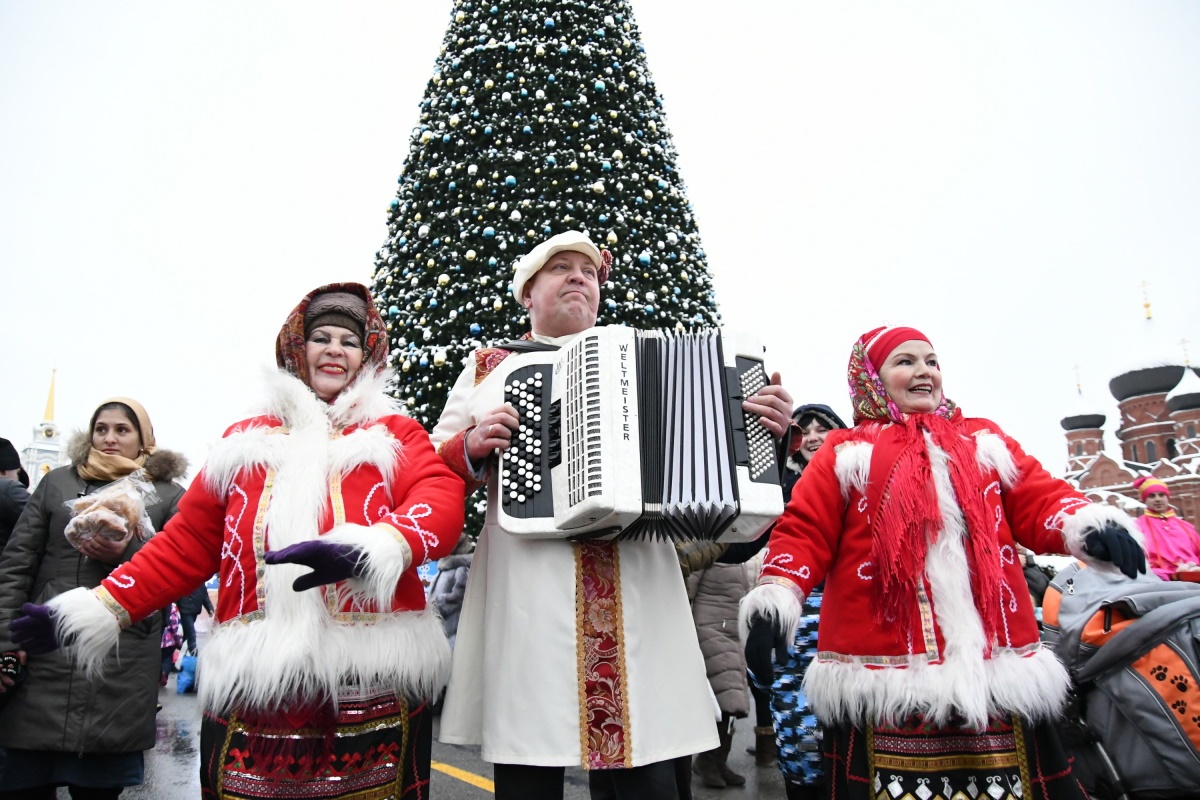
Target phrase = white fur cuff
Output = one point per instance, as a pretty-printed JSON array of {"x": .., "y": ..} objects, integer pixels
[
  {"x": 82, "y": 619},
  {"x": 774, "y": 602},
  {"x": 385, "y": 555},
  {"x": 1094, "y": 516}
]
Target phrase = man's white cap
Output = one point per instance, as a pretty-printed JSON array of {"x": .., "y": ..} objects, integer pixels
[{"x": 536, "y": 258}]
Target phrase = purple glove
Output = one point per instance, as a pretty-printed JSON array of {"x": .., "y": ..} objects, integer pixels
[
  {"x": 331, "y": 562},
  {"x": 34, "y": 630}
]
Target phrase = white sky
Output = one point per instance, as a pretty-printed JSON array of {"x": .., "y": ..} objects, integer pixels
[{"x": 1004, "y": 175}]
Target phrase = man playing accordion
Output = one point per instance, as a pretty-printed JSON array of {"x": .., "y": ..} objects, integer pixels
[{"x": 570, "y": 652}]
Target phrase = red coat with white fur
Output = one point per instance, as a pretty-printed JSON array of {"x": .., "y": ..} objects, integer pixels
[
  {"x": 354, "y": 471},
  {"x": 936, "y": 664}
]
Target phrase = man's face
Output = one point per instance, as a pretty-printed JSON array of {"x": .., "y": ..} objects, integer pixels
[
  {"x": 1158, "y": 502},
  {"x": 564, "y": 295}
]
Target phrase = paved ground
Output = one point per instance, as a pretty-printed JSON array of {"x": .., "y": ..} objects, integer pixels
[{"x": 172, "y": 767}]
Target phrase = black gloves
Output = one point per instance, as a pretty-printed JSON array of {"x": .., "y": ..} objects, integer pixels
[
  {"x": 1113, "y": 543},
  {"x": 763, "y": 640}
]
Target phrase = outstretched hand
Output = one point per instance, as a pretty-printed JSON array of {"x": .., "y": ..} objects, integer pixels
[
  {"x": 773, "y": 404},
  {"x": 493, "y": 433},
  {"x": 330, "y": 562},
  {"x": 1114, "y": 544},
  {"x": 34, "y": 630},
  {"x": 763, "y": 641}
]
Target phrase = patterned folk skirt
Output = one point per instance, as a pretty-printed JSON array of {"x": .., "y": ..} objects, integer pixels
[
  {"x": 1010, "y": 760},
  {"x": 374, "y": 747},
  {"x": 797, "y": 734}
]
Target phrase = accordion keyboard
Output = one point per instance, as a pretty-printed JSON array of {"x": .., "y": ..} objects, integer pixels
[
  {"x": 525, "y": 483},
  {"x": 760, "y": 446}
]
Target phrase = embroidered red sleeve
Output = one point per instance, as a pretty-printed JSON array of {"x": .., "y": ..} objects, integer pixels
[
  {"x": 1038, "y": 504},
  {"x": 427, "y": 496},
  {"x": 177, "y": 559},
  {"x": 453, "y": 452},
  {"x": 804, "y": 540}
]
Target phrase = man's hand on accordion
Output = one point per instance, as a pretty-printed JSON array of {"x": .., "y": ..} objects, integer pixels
[
  {"x": 492, "y": 434},
  {"x": 774, "y": 405}
]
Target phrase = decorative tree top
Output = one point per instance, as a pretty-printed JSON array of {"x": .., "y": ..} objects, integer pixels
[{"x": 540, "y": 117}]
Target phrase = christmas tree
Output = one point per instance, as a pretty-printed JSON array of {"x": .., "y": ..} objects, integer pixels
[{"x": 540, "y": 117}]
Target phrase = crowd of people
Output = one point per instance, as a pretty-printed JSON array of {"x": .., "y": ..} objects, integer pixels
[{"x": 897, "y": 552}]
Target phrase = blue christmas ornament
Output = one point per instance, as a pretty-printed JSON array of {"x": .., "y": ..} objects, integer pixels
[
  {"x": 433, "y": 302},
  {"x": 605, "y": 166},
  {"x": 527, "y": 130},
  {"x": 509, "y": 76},
  {"x": 475, "y": 329},
  {"x": 550, "y": 78},
  {"x": 487, "y": 129},
  {"x": 452, "y": 186},
  {"x": 492, "y": 261},
  {"x": 510, "y": 181},
  {"x": 564, "y": 49},
  {"x": 644, "y": 259},
  {"x": 393, "y": 311},
  {"x": 551, "y": 161},
  {"x": 599, "y": 86},
  {"x": 446, "y": 139},
  {"x": 512, "y": 46},
  {"x": 603, "y": 218},
  {"x": 424, "y": 362},
  {"x": 649, "y": 309},
  {"x": 611, "y": 304},
  {"x": 489, "y": 232},
  {"x": 395, "y": 203},
  {"x": 549, "y": 23}
]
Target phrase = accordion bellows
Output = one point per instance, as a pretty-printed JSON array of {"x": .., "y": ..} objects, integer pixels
[{"x": 639, "y": 434}]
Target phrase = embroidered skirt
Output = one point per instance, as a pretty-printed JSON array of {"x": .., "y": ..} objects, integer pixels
[
  {"x": 375, "y": 747},
  {"x": 1010, "y": 760}
]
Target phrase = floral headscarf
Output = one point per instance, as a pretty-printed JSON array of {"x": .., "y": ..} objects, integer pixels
[
  {"x": 867, "y": 392},
  {"x": 289, "y": 346}
]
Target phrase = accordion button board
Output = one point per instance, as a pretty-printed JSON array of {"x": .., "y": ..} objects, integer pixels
[{"x": 639, "y": 434}]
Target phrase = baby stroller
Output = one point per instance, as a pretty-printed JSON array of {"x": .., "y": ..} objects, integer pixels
[{"x": 1132, "y": 648}]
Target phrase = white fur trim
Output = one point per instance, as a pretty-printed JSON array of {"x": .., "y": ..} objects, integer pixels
[
  {"x": 264, "y": 662},
  {"x": 770, "y": 601},
  {"x": 1086, "y": 518},
  {"x": 384, "y": 555},
  {"x": 853, "y": 466},
  {"x": 82, "y": 619},
  {"x": 992, "y": 453},
  {"x": 1032, "y": 686}
]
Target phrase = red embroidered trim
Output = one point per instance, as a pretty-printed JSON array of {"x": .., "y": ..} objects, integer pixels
[
  {"x": 487, "y": 360},
  {"x": 454, "y": 452},
  {"x": 603, "y": 690}
]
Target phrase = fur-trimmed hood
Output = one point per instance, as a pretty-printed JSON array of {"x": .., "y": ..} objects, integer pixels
[{"x": 161, "y": 465}]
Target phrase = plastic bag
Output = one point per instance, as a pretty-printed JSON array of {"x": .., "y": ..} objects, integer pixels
[
  {"x": 116, "y": 512},
  {"x": 185, "y": 681}
]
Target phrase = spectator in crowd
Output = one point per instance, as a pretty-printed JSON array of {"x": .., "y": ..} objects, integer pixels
[
  {"x": 190, "y": 606},
  {"x": 1172, "y": 544},
  {"x": 13, "y": 493},
  {"x": 66, "y": 726}
]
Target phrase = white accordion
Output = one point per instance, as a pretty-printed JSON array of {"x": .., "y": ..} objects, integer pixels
[{"x": 638, "y": 434}]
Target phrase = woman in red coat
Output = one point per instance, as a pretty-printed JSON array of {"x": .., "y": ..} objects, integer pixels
[
  {"x": 315, "y": 683},
  {"x": 929, "y": 677}
]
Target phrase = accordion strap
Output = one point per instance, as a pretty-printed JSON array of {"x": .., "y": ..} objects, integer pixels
[{"x": 527, "y": 346}]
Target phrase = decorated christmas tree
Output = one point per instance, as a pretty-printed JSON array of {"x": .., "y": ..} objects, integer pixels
[{"x": 540, "y": 117}]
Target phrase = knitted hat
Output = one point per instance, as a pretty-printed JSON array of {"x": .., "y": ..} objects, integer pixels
[
  {"x": 818, "y": 411},
  {"x": 343, "y": 309},
  {"x": 1149, "y": 486},
  {"x": 536, "y": 258},
  {"x": 8, "y": 456},
  {"x": 884, "y": 340}
]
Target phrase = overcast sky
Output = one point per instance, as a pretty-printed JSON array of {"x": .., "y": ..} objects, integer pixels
[{"x": 1005, "y": 175}]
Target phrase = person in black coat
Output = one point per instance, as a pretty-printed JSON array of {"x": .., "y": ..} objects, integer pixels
[
  {"x": 13, "y": 495},
  {"x": 190, "y": 606}
]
